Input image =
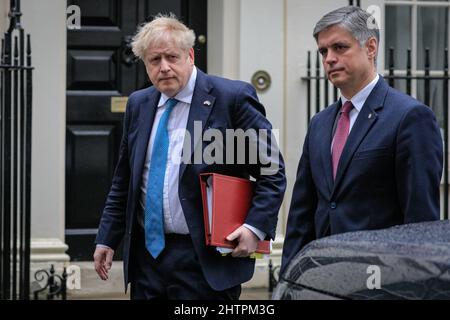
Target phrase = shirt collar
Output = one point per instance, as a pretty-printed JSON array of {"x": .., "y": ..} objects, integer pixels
[
  {"x": 360, "y": 98},
  {"x": 184, "y": 95}
]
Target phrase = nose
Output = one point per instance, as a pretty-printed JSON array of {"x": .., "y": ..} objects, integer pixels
[
  {"x": 330, "y": 58},
  {"x": 165, "y": 66}
]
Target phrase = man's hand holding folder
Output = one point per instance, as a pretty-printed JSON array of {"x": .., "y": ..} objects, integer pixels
[
  {"x": 226, "y": 202},
  {"x": 247, "y": 242}
]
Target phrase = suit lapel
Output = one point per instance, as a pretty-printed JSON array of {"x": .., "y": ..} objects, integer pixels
[
  {"x": 201, "y": 106},
  {"x": 326, "y": 146},
  {"x": 366, "y": 119},
  {"x": 147, "y": 111}
]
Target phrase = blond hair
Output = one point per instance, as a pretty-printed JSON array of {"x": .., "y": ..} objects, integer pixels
[{"x": 164, "y": 28}]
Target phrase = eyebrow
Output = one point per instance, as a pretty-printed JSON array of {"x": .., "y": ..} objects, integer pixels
[
  {"x": 337, "y": 43},
  {"x": 168, "y": 53}
]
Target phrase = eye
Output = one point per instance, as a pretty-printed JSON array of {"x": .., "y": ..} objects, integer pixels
[
  {"x": 172, "y": 58},
  {"x": 154, "y": 60},
  {"x": 323, "y": 51},
  {"x": 340, "y": 47}
]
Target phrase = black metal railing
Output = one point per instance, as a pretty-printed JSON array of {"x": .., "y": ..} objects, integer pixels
[
  {"x": 52, "y": 284},
  {"x": 356, "y": 3},
  {"x": 274, "y": 276},
  {"x": 15, "y": 159},
  {"x": 319, "y": 85}
]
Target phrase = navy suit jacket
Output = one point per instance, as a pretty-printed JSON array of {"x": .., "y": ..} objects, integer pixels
[
  {"x": 389, "y": 172},
  {"x": 233, "y": 104}
]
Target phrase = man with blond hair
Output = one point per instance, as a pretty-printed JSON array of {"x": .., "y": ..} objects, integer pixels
[{"x": 155, "y": 201}]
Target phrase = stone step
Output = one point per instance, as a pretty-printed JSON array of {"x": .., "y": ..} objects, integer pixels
[{"x": 93, "y": 288}]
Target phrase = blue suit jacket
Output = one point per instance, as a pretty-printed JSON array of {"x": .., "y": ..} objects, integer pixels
[
  {"x": 233, "y": 104},
  {"x": 389, "y": 172}
]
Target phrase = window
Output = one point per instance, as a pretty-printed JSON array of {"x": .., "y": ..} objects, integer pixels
[{"x": 418, "y": 25}]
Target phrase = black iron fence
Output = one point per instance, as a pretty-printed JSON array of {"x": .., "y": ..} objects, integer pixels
[
  {"x": 15, "y": 159},
  {"x": 50, "y": 283},
  {"x": 319, "y": 93}
]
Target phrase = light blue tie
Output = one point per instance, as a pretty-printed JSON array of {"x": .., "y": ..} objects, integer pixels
[{"x": 154, "y": 225}]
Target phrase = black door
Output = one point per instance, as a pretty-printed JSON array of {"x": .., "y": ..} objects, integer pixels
[{"x": 101, "y": 73}]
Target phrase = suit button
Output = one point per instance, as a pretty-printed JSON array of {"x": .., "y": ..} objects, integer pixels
[{"x": 333, "y": 205}]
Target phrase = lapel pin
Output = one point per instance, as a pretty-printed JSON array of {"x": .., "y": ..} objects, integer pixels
[
  {"x": 370, "y": 115},
  {"x": 206, "y": 103}
]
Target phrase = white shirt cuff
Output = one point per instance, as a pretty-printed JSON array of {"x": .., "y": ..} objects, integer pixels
[
  {"x": 102, "y": 246},
  {"x": 260, "y": 234}
]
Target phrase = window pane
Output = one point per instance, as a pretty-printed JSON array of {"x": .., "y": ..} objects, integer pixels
[
  {"x": 436, "y": 98},
  {"x": 432, "y": 24},
  {"x": 398, "y": 34}
]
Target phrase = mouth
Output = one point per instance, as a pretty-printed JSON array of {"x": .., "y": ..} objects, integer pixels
[
  {"x": 166, "y": 79},
  {"x": 331, "y": 72}
]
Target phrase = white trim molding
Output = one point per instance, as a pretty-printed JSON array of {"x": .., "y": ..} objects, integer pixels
[{"x": 48, "y": 250}]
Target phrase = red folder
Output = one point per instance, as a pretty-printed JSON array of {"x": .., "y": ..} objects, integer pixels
[{"x": 231, "y": 200}]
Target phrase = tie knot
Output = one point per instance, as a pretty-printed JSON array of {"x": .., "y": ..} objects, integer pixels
[
  {"x": 171, "y": 102},
  {"x": 347, "y": 107}
]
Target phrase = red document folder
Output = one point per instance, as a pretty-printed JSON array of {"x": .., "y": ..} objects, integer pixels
[{"x": 231, "y": 200}]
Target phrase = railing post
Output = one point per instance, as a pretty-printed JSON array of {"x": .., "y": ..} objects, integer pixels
[
  {"x": 15, "y": 160},
  {"x": 391, "y": 67},
  {"x": 6, "y": 174},
  {"x": 273, "y": 281},
  {"x": 27, "y": 177},
  {"x": 64, "y": 285},
  {"x": 317, "y": 82},
  {"x": 308, "y": 89},
  {"x": 51, "y": 284},
  {"x": 358, "y": 3},
  {"x": 427, "y": 76},
  {"x": 408, "y": 72},
  {"x": 2, "y": 85},
  {"x": 325, "y": 88},
  {"x": 28, "y": 127},
  {"x": 445, "y": 106}
]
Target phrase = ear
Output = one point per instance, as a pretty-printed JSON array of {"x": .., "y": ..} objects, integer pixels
[
  {"x": 191, "y": 55},
  {"x": 372, "y": 48}
]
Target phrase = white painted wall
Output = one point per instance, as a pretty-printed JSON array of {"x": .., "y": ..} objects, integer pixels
[
  {"x": 4, "y": 9},
  {"x": 224, "y": 38},
  {"x": 45, "y": 20},
  {"x": 262, "y": 47}
]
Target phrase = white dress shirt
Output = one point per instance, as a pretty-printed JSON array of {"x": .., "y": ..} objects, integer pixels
[
  {"x": 174, "y": 220},
  {"x": 358, "y": 100}
]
